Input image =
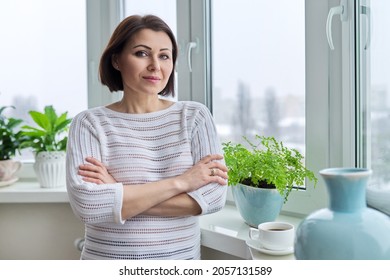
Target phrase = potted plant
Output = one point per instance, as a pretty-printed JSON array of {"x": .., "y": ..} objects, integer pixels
[
  {"x": 262, "y": 176},
  {"x": 48, "y": 141},
  {"x": 10, "y": 141}
]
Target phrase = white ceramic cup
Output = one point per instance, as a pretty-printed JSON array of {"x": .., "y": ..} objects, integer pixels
[{"x": 277, "y": 236}]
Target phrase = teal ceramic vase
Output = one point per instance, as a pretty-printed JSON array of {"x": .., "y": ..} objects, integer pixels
[
  {"x": 347, "y": 229},
  {"x": 257, "y": 205}
]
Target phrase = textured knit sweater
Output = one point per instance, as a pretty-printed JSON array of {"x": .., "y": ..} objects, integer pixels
[{"x": 137, "y": 149}]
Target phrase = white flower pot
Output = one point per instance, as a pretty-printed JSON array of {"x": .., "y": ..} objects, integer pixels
[{"x": 50, "y": 169}]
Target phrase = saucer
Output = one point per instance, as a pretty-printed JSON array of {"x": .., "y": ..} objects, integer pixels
[
  {"x": 258, "y": 247},
  {"x": 8, "y": 182}
]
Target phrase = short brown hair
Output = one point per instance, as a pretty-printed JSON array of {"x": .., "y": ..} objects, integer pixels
[{"x": 111, "y": 77}]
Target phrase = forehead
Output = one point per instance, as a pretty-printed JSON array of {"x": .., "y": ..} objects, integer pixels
[{"x": 152, "y": 39}]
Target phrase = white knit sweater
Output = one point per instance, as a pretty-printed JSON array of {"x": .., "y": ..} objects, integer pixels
[{"x": 136, "y": 149}]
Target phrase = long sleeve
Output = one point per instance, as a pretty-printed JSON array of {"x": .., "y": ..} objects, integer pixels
[
  {"x": 138, "y": 149},
  {"x": 205, "y": 141},
  {"x": 90, "y": 202}
]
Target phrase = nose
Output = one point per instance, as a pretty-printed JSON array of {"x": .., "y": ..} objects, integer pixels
[{"x": 154, "y": 65}]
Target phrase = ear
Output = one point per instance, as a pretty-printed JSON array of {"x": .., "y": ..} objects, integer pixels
[{"x": 114, "y": 61}]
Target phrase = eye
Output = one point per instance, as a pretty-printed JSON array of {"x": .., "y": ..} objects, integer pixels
[
  {"x": 141, "y": 54},
  {"x": 164, "y": 57}
]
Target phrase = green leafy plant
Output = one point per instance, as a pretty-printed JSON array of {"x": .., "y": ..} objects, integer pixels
[
  {"x": 267, "y": 164},
  {"x": 50, "y": 135},
  {"x": 10, "y": 137}
]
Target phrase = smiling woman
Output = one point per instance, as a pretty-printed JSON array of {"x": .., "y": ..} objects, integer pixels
[
  {"x": 141, "y": 170},
  {"x": 150, "y": 61},
  {"x": 136, "y": 48}
]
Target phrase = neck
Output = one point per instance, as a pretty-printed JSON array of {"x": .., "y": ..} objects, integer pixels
[{"x": 134, "y": 105}]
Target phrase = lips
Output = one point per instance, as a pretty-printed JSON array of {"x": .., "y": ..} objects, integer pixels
[{"x": 152, "y": 78}]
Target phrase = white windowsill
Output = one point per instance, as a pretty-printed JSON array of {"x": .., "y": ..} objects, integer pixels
[
  {"x": 223, "y": 231},
  {"x": 227, "y": 232},
  {"x": 29, "y": 191}
]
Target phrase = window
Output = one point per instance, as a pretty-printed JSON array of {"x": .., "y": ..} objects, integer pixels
[
  {"x": 374, "y": 98},
  {"x": 263, "y": 80},
  {"x": 165, "y": 9},
  {"x": 43, "y": 56},
  {"x": 258, "y": 85}
]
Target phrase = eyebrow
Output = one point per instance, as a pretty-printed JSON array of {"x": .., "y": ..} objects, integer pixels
[{"x": 149, "y": 48}]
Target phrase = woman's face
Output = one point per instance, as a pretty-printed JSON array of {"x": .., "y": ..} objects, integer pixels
[{"x": 146, "y": 62}]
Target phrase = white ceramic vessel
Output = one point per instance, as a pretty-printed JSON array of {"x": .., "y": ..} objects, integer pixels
[{"x": 50, "y": 169}]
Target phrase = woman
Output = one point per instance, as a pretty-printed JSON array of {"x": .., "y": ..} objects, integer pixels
[{"x": 140, "y": 171}]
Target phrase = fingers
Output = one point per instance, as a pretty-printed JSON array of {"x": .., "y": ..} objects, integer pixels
[
  {"x": 210, "y": 158},
  {"x": 95, "y": 165},
  {"x": 216, "y": 169},
  {"x": 90, "y": 174},
  {"x": 215, "y": 172},
  {"x": 221, "y": 181},
  {"x": 92, "y": 180},
  {"x": 218, "y": 165},
  {"x": 218, "y": 177},
  {"x": 89, "y": 167},
  {"x": 95, "y": 172},
  {"x": 94, "y": 161}
]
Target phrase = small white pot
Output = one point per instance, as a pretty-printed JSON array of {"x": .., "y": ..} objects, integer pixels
[
  {"x": 50, "y": 169},
  {"x": 8, "y": 168}
]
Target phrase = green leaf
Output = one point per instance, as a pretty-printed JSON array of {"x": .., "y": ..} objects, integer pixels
[
  {"x": 41, "y": 120},
  {"x": 62, "y": 126},
  {"x": 61, "y": 118},
  {"x": 52, "y": 135},
  {"x": 51, "y": 115},
  {"x": 10, "y": 138},
  {"x": 266, "y": 160},
  {"x": 12, "y": 123}
]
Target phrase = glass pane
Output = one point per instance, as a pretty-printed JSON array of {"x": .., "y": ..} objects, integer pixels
[
  {"x": 165, "y": 9},
  {"x": 374, "y": 96},
  {"x": 43, "y": 56},
  {"x": 378, "y": 88},
  {"x": 258, "y": 55}
]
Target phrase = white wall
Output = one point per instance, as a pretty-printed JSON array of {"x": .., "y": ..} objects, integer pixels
[
  {"x": 47, "y": 231},
  {"x": 38, "y": 231}
]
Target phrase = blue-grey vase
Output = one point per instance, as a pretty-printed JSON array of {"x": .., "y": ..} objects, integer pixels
[
  {"x": 257, "y": 205},
  {"x": 347, "y": 229}
]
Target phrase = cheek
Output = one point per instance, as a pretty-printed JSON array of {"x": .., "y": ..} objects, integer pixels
[
  {"x": 128, "y": 64},
  {"x": 168, "y": 69},
  {"x": 129, "y": 70}
]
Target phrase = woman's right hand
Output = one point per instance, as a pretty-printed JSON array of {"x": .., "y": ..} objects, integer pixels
[
  {"x": 95, "y": 172},
  {"x": 207, "y": 170}
]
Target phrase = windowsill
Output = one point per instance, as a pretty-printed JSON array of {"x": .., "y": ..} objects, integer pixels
[
  {"x": 227, "y": 232},
  {"x": 224, "y": 231},
  {"x": 29, "y": 191}
]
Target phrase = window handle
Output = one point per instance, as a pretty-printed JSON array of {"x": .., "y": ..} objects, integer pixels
[
  {"x": 364, "y": 10},
  {"x": 338, "y": 10},
  {"x": 190, "y": 46}
]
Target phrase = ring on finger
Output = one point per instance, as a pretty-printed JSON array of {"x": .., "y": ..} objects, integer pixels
[{"x": 212, "y": 172}]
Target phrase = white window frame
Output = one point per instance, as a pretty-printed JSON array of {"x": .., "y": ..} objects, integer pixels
[
  {"x": 330, "y": 100},
  {"x": 194, "y": 27},
  {"x": 363, "y": 134},
  {"x": 102, "y": 18},
  {"x": 330, "y": 111}
]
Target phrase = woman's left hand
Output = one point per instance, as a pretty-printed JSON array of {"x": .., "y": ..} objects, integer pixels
[{"x": 95, "y": 172}]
